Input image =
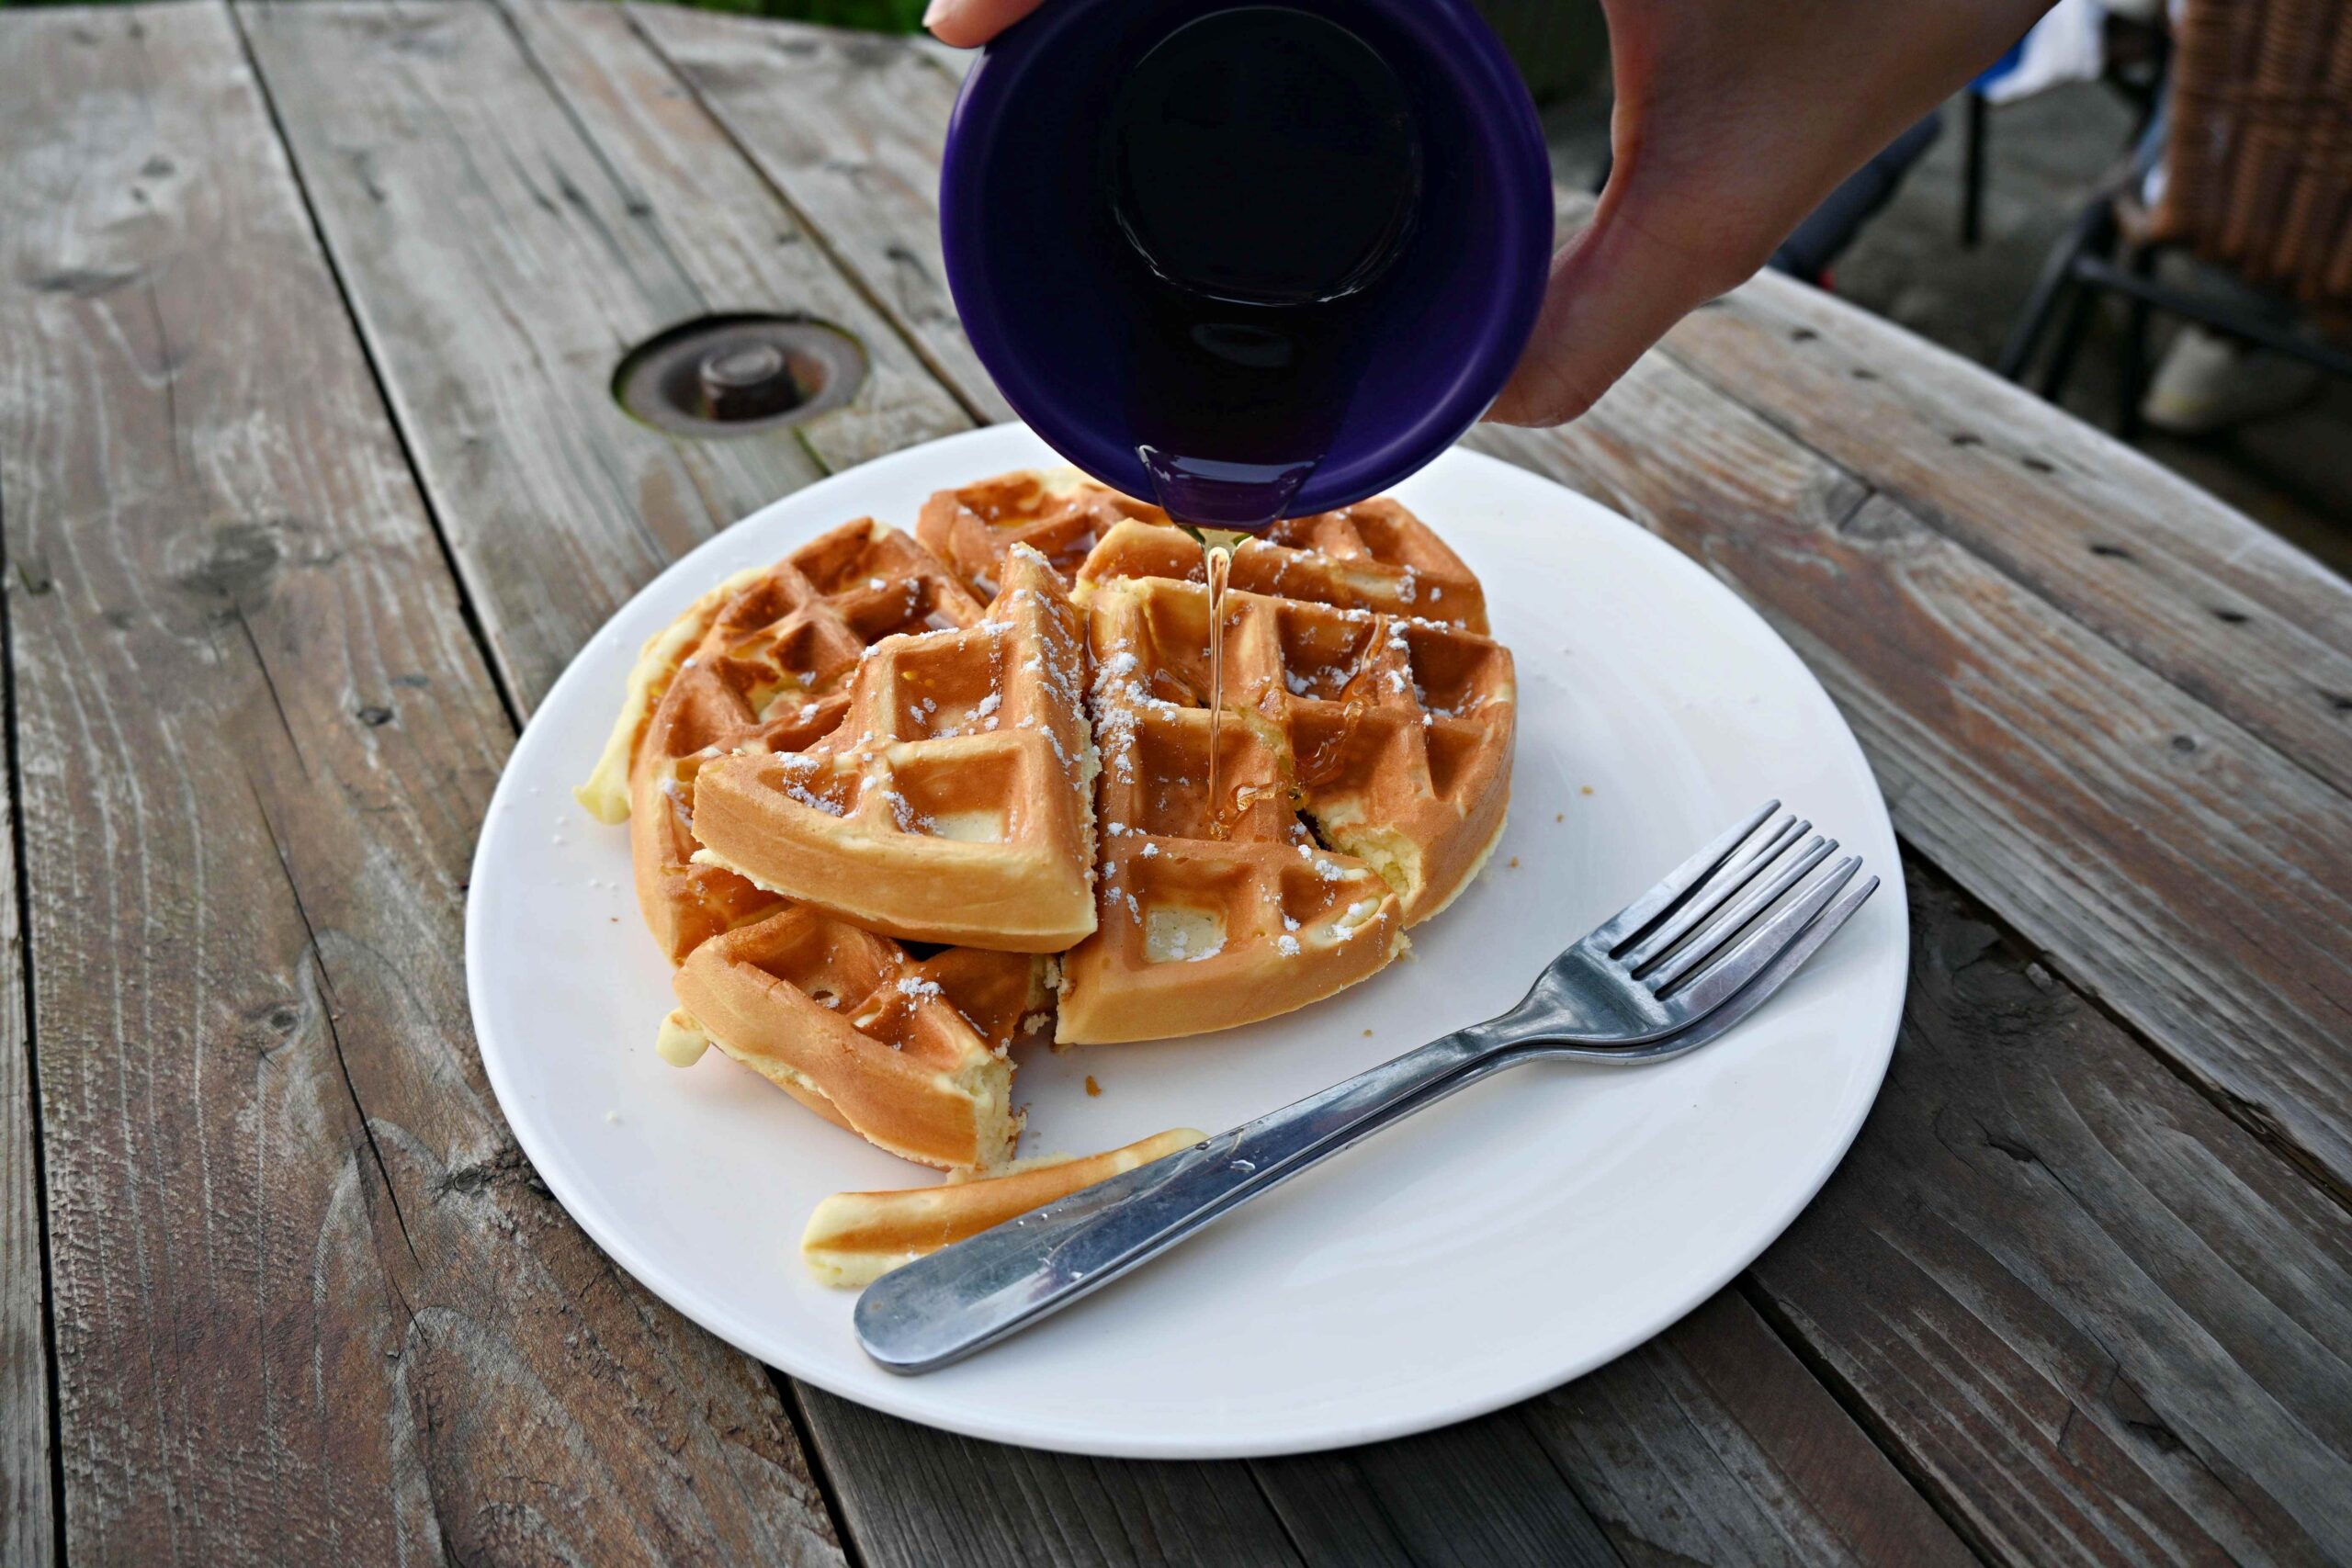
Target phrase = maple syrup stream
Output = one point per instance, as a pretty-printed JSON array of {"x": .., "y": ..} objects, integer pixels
[{"x": 1216, "y": 560}]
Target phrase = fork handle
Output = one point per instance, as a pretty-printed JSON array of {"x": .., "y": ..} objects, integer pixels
[{"x": 942, "y": 1308}]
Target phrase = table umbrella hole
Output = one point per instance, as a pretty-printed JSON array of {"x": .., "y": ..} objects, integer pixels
[{"x": 734, "y": 375}]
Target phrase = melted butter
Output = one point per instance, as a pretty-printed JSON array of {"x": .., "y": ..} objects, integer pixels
[
  {"x": 1175, "y": 934},
  {"x": 682, "y": 1041},
  {"x": 980, "y": 826}
]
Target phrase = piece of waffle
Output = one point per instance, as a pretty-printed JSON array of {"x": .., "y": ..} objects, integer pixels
[
  {"x": 765, "y": 660},
  {"x": 854, "y": 1238},
  {"x": 908, "y": 1053},
  {"x": 952, "y": 801},
  {"x": 1373, "y": 556},
  {"x": 768, "y": 660},
  {"x": 1061, "y": 514},
  {"x": 1363, "y": 771}
]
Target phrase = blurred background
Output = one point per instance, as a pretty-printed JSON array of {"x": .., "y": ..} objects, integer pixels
[{"x": 1992, "y": 227}]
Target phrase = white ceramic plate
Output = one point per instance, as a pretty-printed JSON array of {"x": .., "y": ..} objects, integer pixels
[{"x": 1505, "y": 1241}]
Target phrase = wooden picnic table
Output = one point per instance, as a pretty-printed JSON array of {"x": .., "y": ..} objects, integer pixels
[{"x": 312, "y": 480}]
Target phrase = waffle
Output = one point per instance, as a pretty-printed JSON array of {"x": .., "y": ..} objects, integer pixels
[
  {"x": 828, "y": 759},
  {"x": 911, "y": 1055},
  {"x": 769, "y": 661},
  {"x": 1372, "y": 556},
  {"x": 1061, "y": 516},
  {"x": 1364, "y": 772},
  {"x": 854, "y": 1238},
  {"x": 765, "y": 660},
  {"x": 951, "y": 802}
]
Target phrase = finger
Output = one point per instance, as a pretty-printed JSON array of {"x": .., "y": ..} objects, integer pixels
[
  {"x": 1614, "y": 291},
  {"x": 968, "y": 24}
]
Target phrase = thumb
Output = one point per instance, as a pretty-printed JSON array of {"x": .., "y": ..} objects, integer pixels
[
  {"x": 968, "y": 24},
  {"x": 1614, "y": 291}
]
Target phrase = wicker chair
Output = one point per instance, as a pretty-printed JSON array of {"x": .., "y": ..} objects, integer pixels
[{"x": 2253, "y": 169}]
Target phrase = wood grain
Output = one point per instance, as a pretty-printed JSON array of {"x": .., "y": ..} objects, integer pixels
[
  {"x": 850, "y": 127},
  {"x": 1718, "y": 1407},
  {"x": 310, "y": 1304},
  {"x": 2234, "y": 615},
  {"x": 27, "y": 1515},
  {"x": 2105, "y": 1324},
  {"x": 1483, "y": 1492},
  {"x": 914, "y": 1496},
  {"x": 503, "y": 246},
  {"x": 2176, "y": 868}
]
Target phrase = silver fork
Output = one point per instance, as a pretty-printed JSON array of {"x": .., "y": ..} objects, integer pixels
[{"x": 1670, "y": 971}]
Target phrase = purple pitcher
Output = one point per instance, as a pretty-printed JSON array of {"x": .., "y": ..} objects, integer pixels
[{"x": 1255, "y": 261}]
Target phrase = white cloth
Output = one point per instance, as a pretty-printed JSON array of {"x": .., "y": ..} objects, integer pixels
[{"x": 2067, "y": 45}]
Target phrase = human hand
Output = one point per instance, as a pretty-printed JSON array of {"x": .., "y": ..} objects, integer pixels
[
  {"x": 968, "y": 24},
  {"x": 1733, "y": 118}
]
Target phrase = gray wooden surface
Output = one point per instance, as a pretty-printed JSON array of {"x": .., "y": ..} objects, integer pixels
[{"x": 310, "y": 482}]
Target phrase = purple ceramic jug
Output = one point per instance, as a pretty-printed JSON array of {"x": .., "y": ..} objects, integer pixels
[{"x": 1063, "y": 300}]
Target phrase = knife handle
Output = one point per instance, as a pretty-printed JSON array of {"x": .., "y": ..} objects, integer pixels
[{"x": 940, "y": 1309}]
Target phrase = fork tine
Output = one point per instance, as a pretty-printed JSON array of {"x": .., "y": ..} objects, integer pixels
[
  {"x": 1732, "y": 921},
  {"x": 1776, "y": 970},
  {"x": 1736, "y": 874},
  {"x": 1739, "y": 964},
  {"x": 1638, "y": 914}
]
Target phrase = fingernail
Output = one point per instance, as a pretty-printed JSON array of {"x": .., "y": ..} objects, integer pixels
[{"x": 933, "y": 12}]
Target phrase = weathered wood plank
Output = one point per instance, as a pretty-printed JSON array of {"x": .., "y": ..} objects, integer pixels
[
  {"x": 1716, "y": 1405},
  {"x": 28, "y": 1517},
  {"x": 2174, "y": 866},
  {"x": 739, "y": 243},
  {"x": 503, "y": 247},
  {"x": 1482, "y": 1492},
  {"x": 2236, "y": 617},
  {"x": 914, "y": 1496},
  {"x": 1710, "y": 1444},
  {"x": 2104, "y": 1322},
  {"x": 311, "y": 1305},
  {"x": 850, "y": 127}
]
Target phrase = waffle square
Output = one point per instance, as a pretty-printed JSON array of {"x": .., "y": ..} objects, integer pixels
[
  {"x": 765, "y": 660},
  {"x": 905, "y": 1048},
  {"x": 1060, "y": 515},
  {"x": 1374, "y": 555},
  {"x": 909, "y": 1054},
  {"x": 951, "y": 803},
  {"x": 1364, "y": 774}
]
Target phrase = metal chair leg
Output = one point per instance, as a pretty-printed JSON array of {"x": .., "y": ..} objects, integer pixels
[
  {"x": 2093, "y": 229},
  {"x": 2132, "y": 380},
  {"x": 2070, "y": 341},
  {"x": 1971, "y": 171}
]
